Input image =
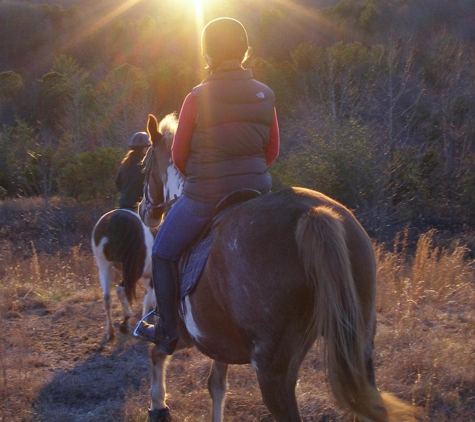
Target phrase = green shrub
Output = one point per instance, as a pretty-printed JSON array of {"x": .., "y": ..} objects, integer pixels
[{"x": 90, "y": 175}]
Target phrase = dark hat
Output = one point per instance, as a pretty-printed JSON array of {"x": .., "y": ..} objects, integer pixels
[
  {"x": 139, "y": 140},
  {"x": 223, "y": 39}
]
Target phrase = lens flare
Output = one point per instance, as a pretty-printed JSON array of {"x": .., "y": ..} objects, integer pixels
[{"x": 199, "y": 13}]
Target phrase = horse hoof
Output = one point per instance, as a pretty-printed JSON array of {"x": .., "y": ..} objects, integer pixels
[{"x": 159, "y": 415}]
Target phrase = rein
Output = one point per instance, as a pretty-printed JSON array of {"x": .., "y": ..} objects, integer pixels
[{"x": 162, "y": 205}]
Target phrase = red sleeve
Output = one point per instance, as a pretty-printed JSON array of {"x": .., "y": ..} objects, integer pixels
[
  {"x": 184, "y": 132},
  {"x": 272, "y": 149}
]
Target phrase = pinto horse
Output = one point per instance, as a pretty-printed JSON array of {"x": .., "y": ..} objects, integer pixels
[
  {"x": 285, "y": 270},
  {"x": 121, "y": 240}
]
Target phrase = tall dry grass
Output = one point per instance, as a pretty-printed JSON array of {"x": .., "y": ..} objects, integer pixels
[
  {"x": 425, "y": 344},
  {"x": 426, "y": 338}
]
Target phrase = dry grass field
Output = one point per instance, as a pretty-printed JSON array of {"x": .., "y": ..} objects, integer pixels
[{"x": 56, "y": 366}]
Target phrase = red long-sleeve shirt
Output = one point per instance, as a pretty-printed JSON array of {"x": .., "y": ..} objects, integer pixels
[{"x": 186, "y": 126}]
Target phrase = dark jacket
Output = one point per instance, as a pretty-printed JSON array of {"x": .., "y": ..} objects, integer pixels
[
  {"x": 129, "y": 180},
  {"x": 227, "y": 151}
]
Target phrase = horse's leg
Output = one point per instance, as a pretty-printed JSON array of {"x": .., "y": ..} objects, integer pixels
[
  {"x": 217, "y": 385},
  {"x": 105, "y": 269},
  {"x": 124, "y": 325},
  {"x": 159, "y": 411},
  {"x": 277, "y": 374},
  {"x": 149, "y": 301},
  {"x": 278, "y": 393}
]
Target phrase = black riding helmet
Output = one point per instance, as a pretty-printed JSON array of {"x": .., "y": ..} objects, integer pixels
[
  {"x": 224, "y": 39},
  {"x": 139, "y": 140}
]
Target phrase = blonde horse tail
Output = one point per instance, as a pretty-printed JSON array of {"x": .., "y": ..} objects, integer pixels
[{"x": 338, "y": 318}]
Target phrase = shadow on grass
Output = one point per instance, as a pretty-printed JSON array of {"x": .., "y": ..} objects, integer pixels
[{"x": 100, "y": 388}]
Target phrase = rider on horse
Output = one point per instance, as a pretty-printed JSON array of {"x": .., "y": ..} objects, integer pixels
[
  {"x": 130, "y": 177},
  {"x": 226, "y": 138}
]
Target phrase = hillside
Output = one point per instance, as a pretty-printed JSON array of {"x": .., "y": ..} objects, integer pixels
[{"x": 375, "y": 98}]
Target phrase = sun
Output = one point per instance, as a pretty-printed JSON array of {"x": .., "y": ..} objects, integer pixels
[
  {"x": 199, "y": 11},
  {"x": 197, "y": 3},
  {"x": 198, "y": 6}
]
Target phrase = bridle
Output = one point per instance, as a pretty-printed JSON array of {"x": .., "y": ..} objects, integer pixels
[{"x": 149, "y": 205}]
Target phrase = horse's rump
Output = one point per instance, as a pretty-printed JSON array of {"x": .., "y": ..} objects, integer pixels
[
  {"x": 124, "y": 246},
  {"x": 255, "y": 273}
]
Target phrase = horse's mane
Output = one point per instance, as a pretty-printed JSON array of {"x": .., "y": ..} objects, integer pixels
[{"x": 167, "y": 127}]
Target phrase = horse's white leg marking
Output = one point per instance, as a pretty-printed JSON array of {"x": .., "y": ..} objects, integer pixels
[
  {"x": 217, "y": 386},
  {"x": 125, "y": 307},
  {"x": 104, "y": 268},
  {"x": 149, "y": 301},
  {"x": 189, "y": 321},
  {"x": 158, "y": 388},
  {"x": 106, "y": 300}
]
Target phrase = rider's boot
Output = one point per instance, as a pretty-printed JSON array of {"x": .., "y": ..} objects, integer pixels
[{"x": 164, "y": 333}]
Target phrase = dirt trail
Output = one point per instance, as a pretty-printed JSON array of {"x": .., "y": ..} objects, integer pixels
[
  {"x": 63, "y": 370},
  {"x": 59, "y": 368}
]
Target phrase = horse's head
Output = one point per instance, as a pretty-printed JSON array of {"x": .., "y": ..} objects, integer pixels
[{"x": 163, "y": 182}]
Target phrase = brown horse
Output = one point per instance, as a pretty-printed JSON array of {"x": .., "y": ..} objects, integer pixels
[{"x": 285, "y": 270}]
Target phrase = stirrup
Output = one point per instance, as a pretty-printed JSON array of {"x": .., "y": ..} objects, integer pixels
[
  {"x": 153, "y": 334},
  {"x": 136, "y": 331}
]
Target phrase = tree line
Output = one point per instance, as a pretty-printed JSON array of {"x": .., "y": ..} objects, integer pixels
[{"x": 376, "y": 98}]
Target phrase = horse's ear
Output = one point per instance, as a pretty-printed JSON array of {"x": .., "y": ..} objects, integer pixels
[{"x": 152, "y": 129}]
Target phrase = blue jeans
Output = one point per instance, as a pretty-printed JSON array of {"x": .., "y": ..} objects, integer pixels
[{"x": 181, "y": 226}]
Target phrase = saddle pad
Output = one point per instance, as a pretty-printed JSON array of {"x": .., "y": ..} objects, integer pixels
[{"x": 194, "y": 263}]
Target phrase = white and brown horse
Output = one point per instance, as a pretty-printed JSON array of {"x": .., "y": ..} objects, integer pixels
[
  {"x": 121, "y": 240},
  {"x": 285, "y": 270}
]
